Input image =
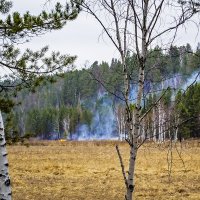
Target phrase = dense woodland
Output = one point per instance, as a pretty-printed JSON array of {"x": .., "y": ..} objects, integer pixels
[
  {"x": 150, "y": 93},
  {"x": 88, "y": 103}
]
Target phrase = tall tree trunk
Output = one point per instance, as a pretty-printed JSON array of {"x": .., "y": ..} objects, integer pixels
[
  {"x": 134, "y": 136},
  {"x": 154, "y": 125},
  {"x": 5, "y": 187},
  {"x": 131, "y": 181},
  {"x": 137, "y": 111}
]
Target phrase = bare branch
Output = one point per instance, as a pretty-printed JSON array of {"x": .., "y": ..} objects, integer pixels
[{"x": 122, "y": 166}]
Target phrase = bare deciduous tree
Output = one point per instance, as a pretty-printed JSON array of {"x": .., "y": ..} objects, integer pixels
[{"x": 136, "y": 26}]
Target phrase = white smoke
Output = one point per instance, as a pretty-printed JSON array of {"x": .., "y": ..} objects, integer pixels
[
  {"x": 194, "y": 78},
  {"x": 104, "y": 125}
]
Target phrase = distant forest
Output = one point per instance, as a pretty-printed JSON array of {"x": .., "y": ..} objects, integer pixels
[{"x": 88, "y": 103}]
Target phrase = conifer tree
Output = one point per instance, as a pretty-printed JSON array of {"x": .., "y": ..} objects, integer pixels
[{"x": 28, "y": 69}]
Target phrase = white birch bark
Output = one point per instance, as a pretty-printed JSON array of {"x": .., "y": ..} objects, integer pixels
[
  {"x": 154, "y": 125},
  {"x": 176, "y": 129},
  {"x": 66, "y": 124},
  {"x": 5, "y": 187},
  {"x": 136, "y": 114},
  {"x": 164, "y": 125},
  {"x": 120, "y": 123},
  {"x": 176, "y": 135},
  {"x": 160, "y": 123}
]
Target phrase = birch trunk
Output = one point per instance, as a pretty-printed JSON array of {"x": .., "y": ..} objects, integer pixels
[
  {"x": 5, "y": 187},
  {"x": 160, "y": 125},
  {"x": 66, "y": 124},
  {"x": 154, "y": 125},
  {"x": 134, "y": 137},
  {"x": 136, "y": 114},
  {"x": 176, "y": 128},
  {"x": 131, "y": 180},
  {"x": 118, "y": 119},
  {"x": 121, "y": 123}
]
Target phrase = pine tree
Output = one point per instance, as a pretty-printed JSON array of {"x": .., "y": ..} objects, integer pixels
[{"x": 28, "y": 69}]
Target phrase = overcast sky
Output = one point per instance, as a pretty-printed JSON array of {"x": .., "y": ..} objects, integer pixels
[{"x": 81, "y": 36}]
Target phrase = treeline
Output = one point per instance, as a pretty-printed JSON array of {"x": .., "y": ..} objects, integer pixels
[
  {"x": 56, "y": 110},
  {"x": 188, "y": 111},
  {"x": 47, "y": 123},
  {"x": 175, "y": 116}
]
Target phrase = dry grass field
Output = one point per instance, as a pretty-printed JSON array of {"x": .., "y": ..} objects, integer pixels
[{"x": 91, "y": 171}]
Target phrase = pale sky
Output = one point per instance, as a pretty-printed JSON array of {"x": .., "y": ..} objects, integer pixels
[{"x": 81, "y": 37}]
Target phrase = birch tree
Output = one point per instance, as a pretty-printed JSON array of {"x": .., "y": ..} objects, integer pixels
[
  {"x": 136, "y": 26},
  {"x": 119, "y": 113},
  {"x": 5, "y": 187}
]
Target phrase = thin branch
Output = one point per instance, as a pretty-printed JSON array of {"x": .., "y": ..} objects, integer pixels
[
  {"x": 122, "y": 166},
  {"x": 144, "y": 115}
]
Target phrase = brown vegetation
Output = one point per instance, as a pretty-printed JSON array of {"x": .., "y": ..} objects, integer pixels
[{"x": 91, "y": 171}]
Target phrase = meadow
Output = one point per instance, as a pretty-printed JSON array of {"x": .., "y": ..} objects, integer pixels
[{"x": 91, "y": 171}]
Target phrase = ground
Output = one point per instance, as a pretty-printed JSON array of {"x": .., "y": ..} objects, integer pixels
[{"x": 91, "y": 171}]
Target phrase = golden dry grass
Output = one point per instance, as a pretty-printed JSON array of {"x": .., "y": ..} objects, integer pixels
[{"x": 91, "y": 171}]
